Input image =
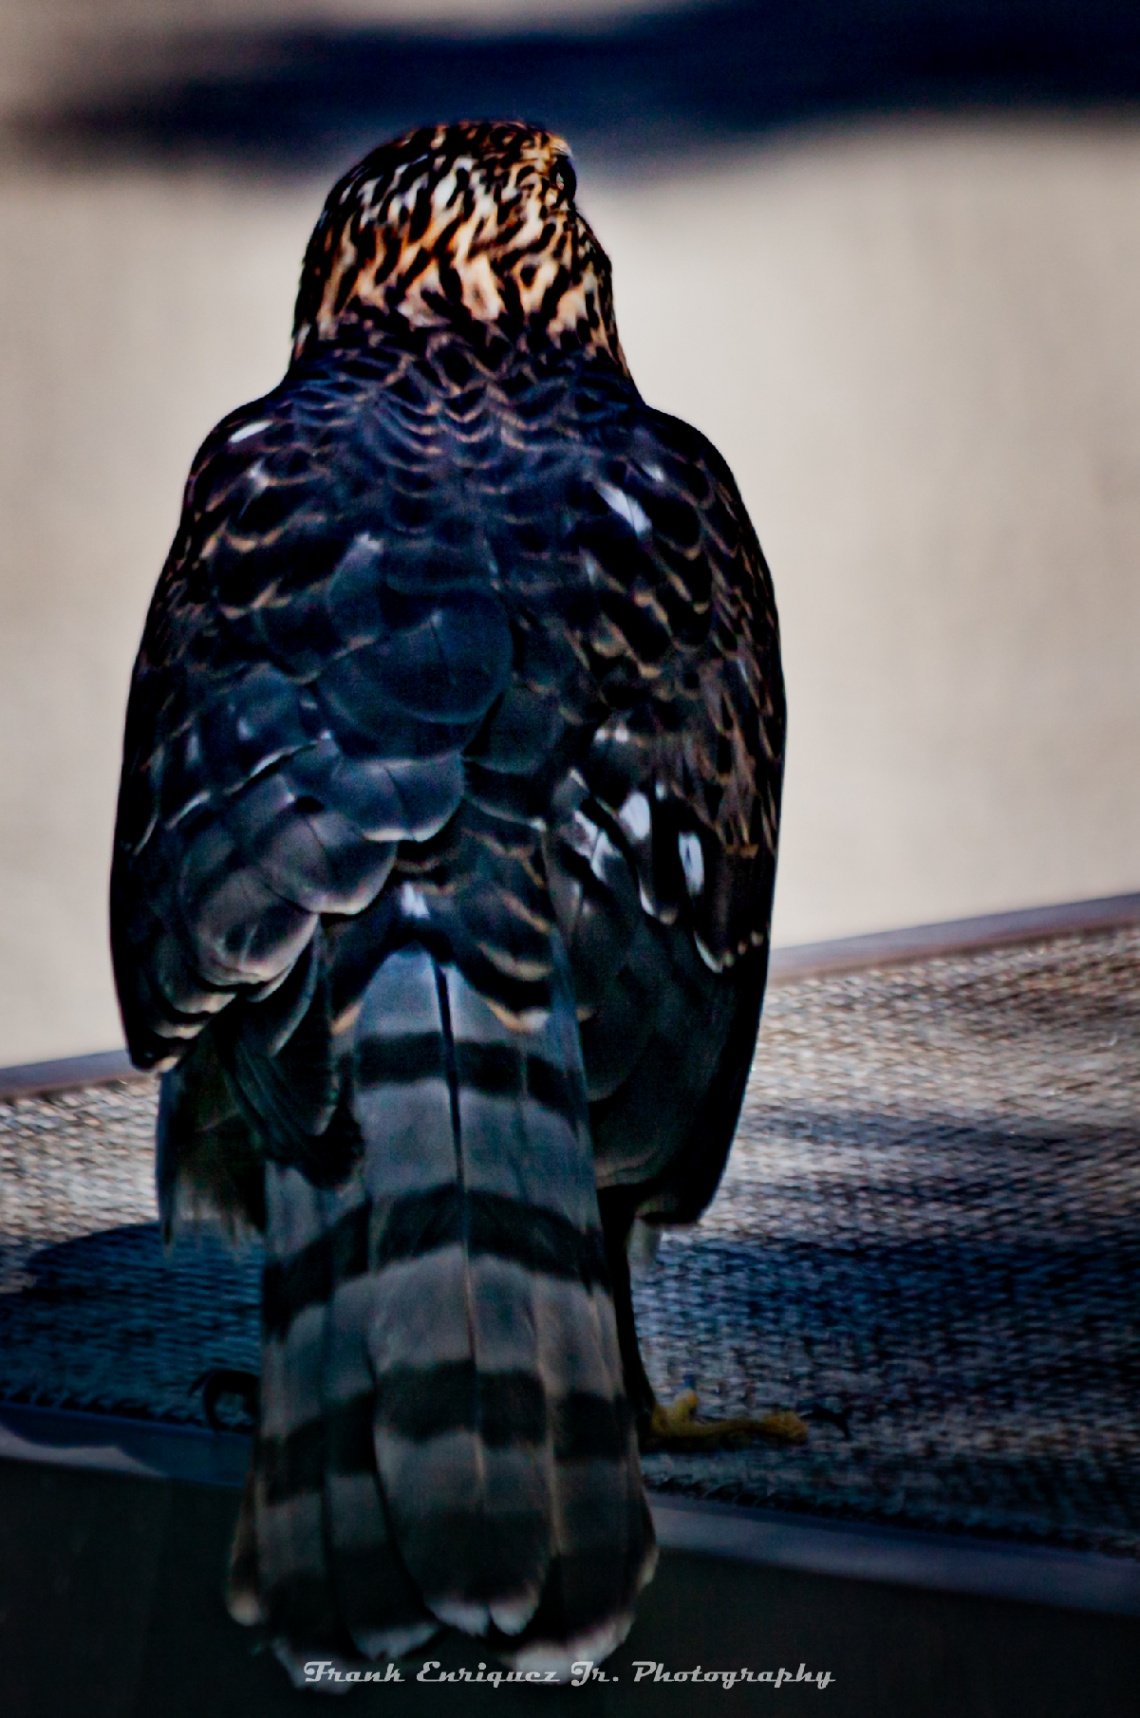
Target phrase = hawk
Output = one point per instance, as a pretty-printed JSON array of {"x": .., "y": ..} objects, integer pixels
[{"x": 440, "y": 898}]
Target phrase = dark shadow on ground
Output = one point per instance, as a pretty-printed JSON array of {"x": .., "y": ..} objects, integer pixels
[
  {"x": 975, "y": 1369},
  {"x": 114, "y": 1322}
]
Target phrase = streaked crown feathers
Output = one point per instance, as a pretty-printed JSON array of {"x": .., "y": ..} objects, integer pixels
[{"x": 472, "y": 224}]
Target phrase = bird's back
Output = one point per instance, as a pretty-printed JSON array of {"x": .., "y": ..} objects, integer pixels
[{"x": 441, "y": 890}]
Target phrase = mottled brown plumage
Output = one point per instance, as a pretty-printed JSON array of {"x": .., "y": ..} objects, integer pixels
[
  {"x": 441, "y": 892},
  {"x": 470, "y": 222}
]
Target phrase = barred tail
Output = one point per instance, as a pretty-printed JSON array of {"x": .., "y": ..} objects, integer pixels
[{"x": 444, "y": 1433}]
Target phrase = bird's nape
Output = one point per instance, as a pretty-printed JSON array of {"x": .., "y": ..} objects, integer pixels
[{"x": 471, "y": 225}]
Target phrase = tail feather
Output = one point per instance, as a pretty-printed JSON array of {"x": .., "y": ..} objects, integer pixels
[
  {"x": 444, "y": 1435},
  {"x": 326, "y": 1561}
]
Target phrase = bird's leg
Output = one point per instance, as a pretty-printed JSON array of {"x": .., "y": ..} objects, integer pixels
[
  {"x": 676, "y": 1427},
  {"x": 617, "y": 1213}
]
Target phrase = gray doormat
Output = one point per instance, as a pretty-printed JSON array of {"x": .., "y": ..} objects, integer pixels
[{"x": 927, "y": 1240}]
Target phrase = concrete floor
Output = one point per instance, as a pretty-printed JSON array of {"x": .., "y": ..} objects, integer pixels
[{"x": 916, "y": 344}]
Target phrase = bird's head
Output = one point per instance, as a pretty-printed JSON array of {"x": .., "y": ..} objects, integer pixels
[{"x": 471, "y": 225}]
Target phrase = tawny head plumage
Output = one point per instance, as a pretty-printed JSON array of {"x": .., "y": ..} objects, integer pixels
[{"x": 472, "y": 224}]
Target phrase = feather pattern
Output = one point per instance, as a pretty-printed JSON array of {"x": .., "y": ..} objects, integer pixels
[
  {"x": 441, "y": 890},
  {"x": 444, "y": 1432}
]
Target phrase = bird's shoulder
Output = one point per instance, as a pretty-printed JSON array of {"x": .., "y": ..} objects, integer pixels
[{"x": 689, "y": 663}]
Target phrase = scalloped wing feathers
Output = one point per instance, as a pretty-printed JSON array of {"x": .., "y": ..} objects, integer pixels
[{"x": 441, "y": 890}]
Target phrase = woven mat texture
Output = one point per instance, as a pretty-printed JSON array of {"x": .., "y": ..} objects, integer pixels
[{"x": 927, "y": 1240}]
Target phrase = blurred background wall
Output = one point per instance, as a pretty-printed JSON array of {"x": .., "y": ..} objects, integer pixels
[{"x": 886, "y": 253}]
